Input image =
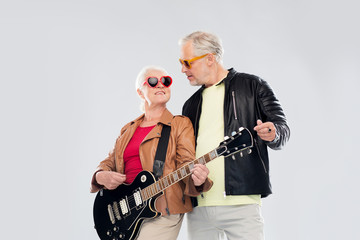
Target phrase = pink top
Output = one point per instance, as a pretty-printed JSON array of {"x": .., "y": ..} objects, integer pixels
[{"x": 131, "y": 154}]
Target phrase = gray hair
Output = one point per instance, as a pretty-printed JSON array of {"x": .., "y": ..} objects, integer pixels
[
  {"x": 140, "y": 79},
  {"x": 204, "y": 42}
]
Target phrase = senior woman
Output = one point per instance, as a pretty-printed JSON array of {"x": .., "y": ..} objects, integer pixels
[{"x": 135, "y": 149}]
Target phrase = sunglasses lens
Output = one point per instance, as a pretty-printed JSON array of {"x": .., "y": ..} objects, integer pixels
[
  {"x": 166, "y": 81},
  {"x": 152, "y": 81},
  {"x": 187, "y": 64}
]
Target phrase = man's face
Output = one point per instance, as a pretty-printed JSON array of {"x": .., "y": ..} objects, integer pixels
[{"x": 196, "y": 74}]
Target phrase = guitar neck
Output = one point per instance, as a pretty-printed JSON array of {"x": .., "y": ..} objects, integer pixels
[{"x": 178, "y": 175}]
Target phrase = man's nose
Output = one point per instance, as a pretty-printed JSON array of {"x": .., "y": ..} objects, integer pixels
[{"x": 183, "y": 68}]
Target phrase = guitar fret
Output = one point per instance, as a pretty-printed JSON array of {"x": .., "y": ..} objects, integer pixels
[
  {"x": 171, "y": 177},
  {"x": 149, "y": 190},
  {"x": 207, "y": 158},
  {"x": 155, "y": 191},
  {"x": 165, "y": 181},
  {"x": 152, "y": 190},
  {"x": 202, "y": 160},
  {"x": 147, "y": 193},
  {"x": 158, "y": 188},
  {"x": 176, "y": 177},
  {"x": 161, "y": 185},
  {"x": 191, "y": 166},
  {"x": 187, "y": 168},
  {"x": 212, "y": 155},
  {"x": 183, "y": 172}
]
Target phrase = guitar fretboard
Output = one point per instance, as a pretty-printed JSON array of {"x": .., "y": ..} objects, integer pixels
[{"x": 175, "y": 176}]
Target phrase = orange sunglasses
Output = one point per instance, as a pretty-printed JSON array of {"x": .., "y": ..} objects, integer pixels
[{"x": 187, "y": 63}]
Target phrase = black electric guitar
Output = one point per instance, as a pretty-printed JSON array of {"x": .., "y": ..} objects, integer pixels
[{"x": 119, "y": 213}]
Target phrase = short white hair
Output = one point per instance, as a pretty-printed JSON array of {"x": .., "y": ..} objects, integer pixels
[
  {"x": 140, "y": 79},
  {"x": 203, "y": 43}
]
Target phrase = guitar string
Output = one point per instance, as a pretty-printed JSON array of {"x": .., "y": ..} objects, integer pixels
[{"x": 187, "y": 168}]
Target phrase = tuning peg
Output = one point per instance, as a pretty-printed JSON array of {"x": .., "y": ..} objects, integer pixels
[
  {"x": 233, "y": 157},
  {"x": 241, "y": 154},
  {"x": 249, "y": 151},
  {"x": 240, "y": 129},
  {"x": 233, "y": 133},
  {"x": 226, "y": 137}
]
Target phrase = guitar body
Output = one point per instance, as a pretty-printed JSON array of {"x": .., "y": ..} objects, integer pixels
[{"x": 119, "y": 213}]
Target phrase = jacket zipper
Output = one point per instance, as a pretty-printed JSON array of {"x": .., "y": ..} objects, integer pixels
[{"x": 234, "y": 104}]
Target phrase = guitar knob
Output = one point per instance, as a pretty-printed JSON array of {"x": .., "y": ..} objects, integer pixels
[
  {"x": 121, "y": 235},
  {"x": 116, "y": 229},
  {"x": 109, "y": 233}
]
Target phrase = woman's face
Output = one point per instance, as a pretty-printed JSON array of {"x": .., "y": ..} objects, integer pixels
[{"x": 154, "y": 96}]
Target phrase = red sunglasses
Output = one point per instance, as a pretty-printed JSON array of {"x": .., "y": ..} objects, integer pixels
[{"x": 166, "y": 81}]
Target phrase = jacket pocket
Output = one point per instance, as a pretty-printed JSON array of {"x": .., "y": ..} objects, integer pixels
[{"x": 258, "y": 150}]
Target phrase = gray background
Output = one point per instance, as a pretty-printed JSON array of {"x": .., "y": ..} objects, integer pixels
[{"x": 67, "y": 71}]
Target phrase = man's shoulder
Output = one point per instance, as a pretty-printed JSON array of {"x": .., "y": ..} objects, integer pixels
[
  {"x": 241, "y": 79},
  {"x": 243, "y": 75}
]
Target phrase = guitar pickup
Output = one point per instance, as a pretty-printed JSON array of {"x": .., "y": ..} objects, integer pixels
[
  {"x": 138, "y": 199},
  {"x": 124, "y": 207}
]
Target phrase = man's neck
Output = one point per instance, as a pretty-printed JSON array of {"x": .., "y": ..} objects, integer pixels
[{"x": 219, "y": 74}]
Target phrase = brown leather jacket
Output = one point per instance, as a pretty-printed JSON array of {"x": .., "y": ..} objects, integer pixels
[{"x": 181, "y": 150}]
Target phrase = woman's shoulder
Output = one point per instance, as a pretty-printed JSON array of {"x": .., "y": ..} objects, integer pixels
[{"x": 181, "y": 120}]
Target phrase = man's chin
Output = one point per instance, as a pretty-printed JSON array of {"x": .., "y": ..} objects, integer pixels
[{"x": 194, "y": 83}]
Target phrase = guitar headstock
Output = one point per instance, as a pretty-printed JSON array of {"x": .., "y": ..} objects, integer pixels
[{"x": 239, "y": 141}]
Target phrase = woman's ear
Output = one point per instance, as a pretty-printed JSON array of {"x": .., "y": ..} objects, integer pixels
[{"x": 140, "y": 93}]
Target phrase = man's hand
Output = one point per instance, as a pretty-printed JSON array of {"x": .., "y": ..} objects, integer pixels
[
  {"x": 199, "y": 174},
  {"x": 110, "y": 179},
  {"x": 266, "y": 131}
]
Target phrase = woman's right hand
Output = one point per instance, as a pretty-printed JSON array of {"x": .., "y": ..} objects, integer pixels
[{"x": 110, "y": 179}]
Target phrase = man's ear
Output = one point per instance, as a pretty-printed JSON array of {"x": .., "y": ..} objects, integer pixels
[{"x": 210, "y": 59}]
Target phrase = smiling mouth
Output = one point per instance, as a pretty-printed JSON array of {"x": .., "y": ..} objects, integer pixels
[{"x": 160, "y": 93}]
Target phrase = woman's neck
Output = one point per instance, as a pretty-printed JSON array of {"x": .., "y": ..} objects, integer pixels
[{"x": 152, "y": 115}]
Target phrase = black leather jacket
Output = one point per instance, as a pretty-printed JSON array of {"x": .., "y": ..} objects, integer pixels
[{"x": 247, "y": 98}]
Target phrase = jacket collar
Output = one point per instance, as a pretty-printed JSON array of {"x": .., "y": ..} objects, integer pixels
[
  {"x": 229, "y": 76},
  {"x": 166, "y": 118}
]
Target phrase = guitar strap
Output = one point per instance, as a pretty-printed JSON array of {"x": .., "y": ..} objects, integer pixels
[{"x": 161, "y": 152}]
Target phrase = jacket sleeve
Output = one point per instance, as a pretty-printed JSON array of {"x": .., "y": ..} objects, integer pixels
[
  {"x": 106, "y": 165},
  {"x": 185, "y": 154},
  {"x": 271, "y": 111}
]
